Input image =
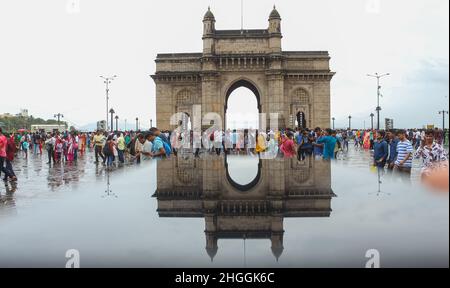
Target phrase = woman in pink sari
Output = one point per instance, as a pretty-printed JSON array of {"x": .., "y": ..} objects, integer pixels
[
  {"x": 287, "y": 146},
  {"x": 70, "y": 148}
]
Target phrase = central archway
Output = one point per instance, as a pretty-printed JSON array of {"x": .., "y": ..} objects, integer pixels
[{"x": 240, "y": 98}]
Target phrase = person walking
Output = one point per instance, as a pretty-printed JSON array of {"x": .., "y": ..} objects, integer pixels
[
  {"x": 59, "y": 149},
  {"x": 405, "y": 151},
  {"x": 318, "y": 148},
  {"x": 108, "y": 151},
  {"x": 381, "y": 151},
  {"x": 75, "y": 146},
  {"x": 329, "y": 143},
  {"x": 99, "y": 140},
  {"x": 147, "y": 147},
  {"x": 287, "y": 145},
  {"x": 25, "y": 146},
  {"x": 10, "y": 153},
  {"x": 3, "y": 146},
  {"x": 392, "y": 150},
  {"x": 432, "y": 154},
  {"x": 121, "y": 145},
  {"x": 158, "y": 149},
  {"x": 50, "y": 147}
]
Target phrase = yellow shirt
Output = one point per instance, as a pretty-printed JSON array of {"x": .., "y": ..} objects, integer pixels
[
  {"x": 98, "y": 140},
  {"x": 260, "y": 144},
  {"x": 121, "y": 143}
]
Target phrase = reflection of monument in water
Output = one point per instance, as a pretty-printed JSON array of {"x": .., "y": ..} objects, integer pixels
[{"x": 255, "y": 210}]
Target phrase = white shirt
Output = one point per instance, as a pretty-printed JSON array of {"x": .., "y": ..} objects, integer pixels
[
  {"x": 218, "y": 136},
  {"x": 147, "y": 148}
]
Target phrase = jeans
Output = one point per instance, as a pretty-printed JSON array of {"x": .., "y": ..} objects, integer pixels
[
  {"x": 75, "y": 154},
  {"x": 110, "y": 160},
  {"x": 3, "y": 168},
  {"x": 380, "y": 164},
  {"x": 51, "y": 155},
  {"x": 120, "y": 155},
  {"x": 9, "y": 168},
  {"x": 36, "y": 147}
]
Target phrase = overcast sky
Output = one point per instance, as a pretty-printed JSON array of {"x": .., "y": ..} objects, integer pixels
[{"x": 51, "y": 55}]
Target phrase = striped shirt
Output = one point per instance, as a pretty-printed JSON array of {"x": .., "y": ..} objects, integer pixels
[{"x": 403, "y": 149}]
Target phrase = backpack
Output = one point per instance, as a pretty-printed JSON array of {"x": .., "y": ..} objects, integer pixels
[{"x": 167, "y": 148}]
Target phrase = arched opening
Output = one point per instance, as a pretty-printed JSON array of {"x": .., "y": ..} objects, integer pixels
[
  {"x": 242, "y": 106},
  {"x": 300, "y": 120},
  {"x": 243, "y": 172}
]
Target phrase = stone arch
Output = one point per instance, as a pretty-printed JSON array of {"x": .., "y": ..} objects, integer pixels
[
  {"x": 247, "y": 187},
  {"x": 247, "y": 83}
]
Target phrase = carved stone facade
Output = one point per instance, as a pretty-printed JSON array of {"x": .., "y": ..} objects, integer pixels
[{"x": 284, "y": 82}]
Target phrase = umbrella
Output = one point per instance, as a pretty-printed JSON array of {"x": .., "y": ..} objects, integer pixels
[{"x": 21, "y": 130}]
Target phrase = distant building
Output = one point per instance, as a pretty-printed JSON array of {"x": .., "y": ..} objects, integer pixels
[
  {"x": 48, "y": 128},
  {"x": 389, "y": 124},
  {"x": 101, "y": 125},
  {"x": 23, "y": 113}
]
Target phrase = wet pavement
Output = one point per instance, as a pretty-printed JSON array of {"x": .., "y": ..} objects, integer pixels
[{"x": 235, "y": 211}]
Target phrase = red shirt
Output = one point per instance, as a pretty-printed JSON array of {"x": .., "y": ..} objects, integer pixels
[
  {"x": 3, "y": 143},
  {"x": 10, "y": 149}
]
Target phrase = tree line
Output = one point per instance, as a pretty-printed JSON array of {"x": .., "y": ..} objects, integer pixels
[{"x": 14, "y": 123}]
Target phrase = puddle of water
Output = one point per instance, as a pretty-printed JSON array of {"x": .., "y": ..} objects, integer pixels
[{"x": 181, "y": 212}]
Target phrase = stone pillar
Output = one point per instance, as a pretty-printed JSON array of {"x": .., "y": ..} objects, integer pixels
[
  {"x": 275, "y": 102},
  {"x": 165, "y": 106},
  {"x": 321, "y": 104},
  {"x": 213, "y": 171},
  {"x": 212, "y": 101}
]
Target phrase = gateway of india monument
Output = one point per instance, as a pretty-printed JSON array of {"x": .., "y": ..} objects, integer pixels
[{"x": 294, "y": 84}]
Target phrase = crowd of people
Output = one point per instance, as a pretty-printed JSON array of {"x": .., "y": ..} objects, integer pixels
[{"x": 393, "y": 150}]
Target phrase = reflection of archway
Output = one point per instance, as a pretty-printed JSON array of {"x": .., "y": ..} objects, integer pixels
[
  {"x": 250, "y": 86},
  {"x": 300, "y": 120},
  {"x": 245, "y": 187}
]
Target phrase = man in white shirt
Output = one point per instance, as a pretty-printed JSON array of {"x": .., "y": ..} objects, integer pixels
[{"x": 146, "y": 153}]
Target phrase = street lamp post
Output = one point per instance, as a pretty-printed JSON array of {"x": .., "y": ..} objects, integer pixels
[
  {"x": 117, "y": 122},
  {"x": 350, "y": 122},
  {"x": 59, "y": 116},
  {"x": 443, "y": 112},
  {"x": 378, "y": 109},
  {"x": 333, "y": 121},
  {"x": 137, "y": 123},
  {"x": 371, "y": 119},
  {"x": 111, "y": 111},
  {"x": 125, "y": 124},
  {"x": 107, "y": 81},
  {"x": 151, "y": 122}
]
